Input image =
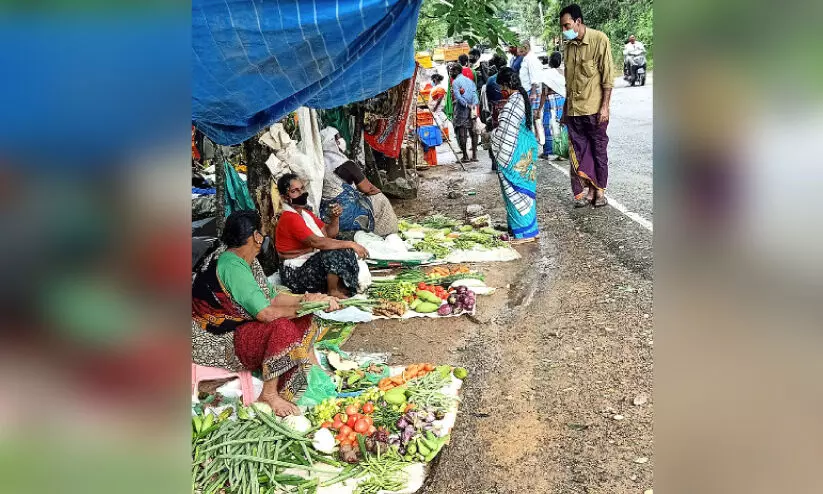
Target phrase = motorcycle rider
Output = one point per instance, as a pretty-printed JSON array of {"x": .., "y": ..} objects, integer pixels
[{"x": 632, "y": 49}]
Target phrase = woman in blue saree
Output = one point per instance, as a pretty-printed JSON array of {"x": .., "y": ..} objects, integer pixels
[
  {"x": 344, "y": 183},
  {"x": 516, "y": 150}
]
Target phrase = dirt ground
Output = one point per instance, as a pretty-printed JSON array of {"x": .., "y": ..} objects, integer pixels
[{"x": 556, "y": 357}]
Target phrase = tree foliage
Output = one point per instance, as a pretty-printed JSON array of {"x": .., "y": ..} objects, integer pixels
[
  {"x": 492, "y": 22},
  {"x": 473, "y": 21},
  {"x": 617, "y": 18}
]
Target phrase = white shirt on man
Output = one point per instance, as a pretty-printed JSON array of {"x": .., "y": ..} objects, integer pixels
[
  {"x": 634, "y": 49},
  {"x": 531, "y": 71}
]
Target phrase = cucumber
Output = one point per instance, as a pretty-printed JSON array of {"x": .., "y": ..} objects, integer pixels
[
  {"x": 427, "y": 296},
  {"x": 427, "y": 307}
]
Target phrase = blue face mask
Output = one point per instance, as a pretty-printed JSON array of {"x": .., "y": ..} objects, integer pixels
[{"x": 570, "y": 34}]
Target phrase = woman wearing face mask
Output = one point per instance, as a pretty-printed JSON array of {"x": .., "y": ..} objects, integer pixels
[
  {"x": 364, "y": 207},
  {"x": 312, "y": 259},
  {"x": 239, "y": 321},
  {"x": 515, "y": 150}
]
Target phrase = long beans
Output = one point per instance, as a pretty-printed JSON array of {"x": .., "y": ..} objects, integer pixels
[{"x": 307, "y": 308}]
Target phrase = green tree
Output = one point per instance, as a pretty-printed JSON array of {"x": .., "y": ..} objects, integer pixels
[
  {"x": 617, "y": 18},
  {"x": 474, "y": 21}
]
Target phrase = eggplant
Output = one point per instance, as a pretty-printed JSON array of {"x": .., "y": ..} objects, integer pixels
[
  {"x": 444, "y": 310},
  {"x": 408, "y": 432},
  {"x": 461, "y": 289}
]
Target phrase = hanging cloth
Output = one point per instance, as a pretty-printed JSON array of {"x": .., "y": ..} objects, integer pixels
[
  {"x": 237, "y": 194},
  {"x": 388, "y": 134}
]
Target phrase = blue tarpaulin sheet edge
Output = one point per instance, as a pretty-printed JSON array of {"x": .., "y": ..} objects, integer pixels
[{"x": 255, "y": 62}]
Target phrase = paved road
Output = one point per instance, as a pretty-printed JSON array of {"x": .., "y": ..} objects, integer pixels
[{"x": 630, "y": 147}]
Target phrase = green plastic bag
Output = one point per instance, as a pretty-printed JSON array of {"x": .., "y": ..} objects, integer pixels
[
  {"x": 320, "y": 387},
  {"x": 560, "y": 144},
  {"x": 375, "y": 378}
]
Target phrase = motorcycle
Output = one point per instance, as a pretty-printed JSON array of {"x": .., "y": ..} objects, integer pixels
[{"x": 634, "y": 69}]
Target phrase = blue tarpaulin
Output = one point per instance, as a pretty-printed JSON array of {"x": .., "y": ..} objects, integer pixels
[{"x": 255, "y": 61}]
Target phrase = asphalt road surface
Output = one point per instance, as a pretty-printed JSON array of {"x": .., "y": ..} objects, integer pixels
[{"x": 630, "y": 147}]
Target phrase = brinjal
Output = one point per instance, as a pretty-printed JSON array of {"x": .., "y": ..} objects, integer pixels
[
  {"x": 452, "y": 299},
  {"x": 444, "y": 310},
  {"x": 408, "y": 432}
]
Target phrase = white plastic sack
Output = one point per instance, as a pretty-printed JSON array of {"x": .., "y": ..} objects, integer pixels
[
  {"x": 349, "y": 314},
  {"x": 232, "y": 388},
  {"x": 392, "y": 248}
]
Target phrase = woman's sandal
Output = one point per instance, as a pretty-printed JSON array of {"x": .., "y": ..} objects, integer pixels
[
  {"x": 520, "y": 241},
  {"x": 599, "y": 202}
]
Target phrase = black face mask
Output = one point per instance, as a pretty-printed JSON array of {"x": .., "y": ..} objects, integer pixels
[{"x": 300, "y": 200}]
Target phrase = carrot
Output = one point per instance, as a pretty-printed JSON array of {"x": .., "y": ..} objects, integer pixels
[{"x": 412, "y": 369}]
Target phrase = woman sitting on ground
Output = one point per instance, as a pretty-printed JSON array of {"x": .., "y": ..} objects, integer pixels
[
  {"x": 312, "y": 260},
  {"x": 344, "y": 183},
  {"x": 239, "y": 321}
]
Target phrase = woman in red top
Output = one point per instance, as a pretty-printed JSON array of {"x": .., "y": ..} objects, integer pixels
[{"x": 312, "y": 260}]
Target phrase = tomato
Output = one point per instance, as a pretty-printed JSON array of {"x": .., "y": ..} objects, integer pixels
[
  {"x": 351, "y": 409},
  {"x": 340, "y": 438},
  {"x": 352, "y": 420},
  {"x": 336, "y": 425},
  {"x": 361, "y": 426},
  {"x": 353, "y": 437},
  {"x": 368, "y": 407},
  {"x": 372, "y": 430},
  {"x": 342, "y": 417},
  {"x": 369, "y": 420},
  {"x": 326, "y": 425},
  {"x": 345, "y": 431}
]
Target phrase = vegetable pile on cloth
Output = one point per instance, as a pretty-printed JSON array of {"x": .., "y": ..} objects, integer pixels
[
  {"x": 450, "y": 241},
  {"x": 380, "y": 440},
  {"x": 415, "y": 294}
]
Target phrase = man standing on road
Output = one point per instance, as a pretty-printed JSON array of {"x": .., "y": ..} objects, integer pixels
[
  {"x": 465, "y": 103},
  {"x": 531, "y": 76},
  {"x": 589, "y": 83},
  {"x": 464, "y": 64}
]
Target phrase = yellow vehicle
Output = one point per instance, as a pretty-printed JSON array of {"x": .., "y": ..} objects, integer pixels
[
  {"x": 451, "y": 52},
  {"x": 424, "y": 58}
]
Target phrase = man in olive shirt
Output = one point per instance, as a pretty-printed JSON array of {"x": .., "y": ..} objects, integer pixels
[{"x": 589, "y": 83}]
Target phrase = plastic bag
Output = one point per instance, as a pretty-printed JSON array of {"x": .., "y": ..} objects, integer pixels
[
  {"x": 560, "y": 142},
  {"x": 375, "y": 378},
  {"x": 320, "y": 386}
]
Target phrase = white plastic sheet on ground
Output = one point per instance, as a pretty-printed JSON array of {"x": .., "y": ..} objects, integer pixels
[
  {"x": 392, "y": 248},
  {"x": 499, "y": 254}
]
